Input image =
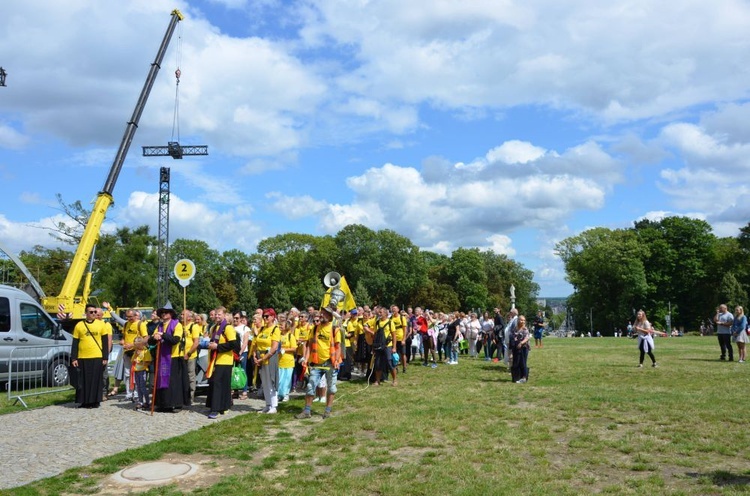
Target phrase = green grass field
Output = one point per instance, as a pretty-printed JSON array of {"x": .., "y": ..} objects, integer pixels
[{"x": 587, "y": 422}]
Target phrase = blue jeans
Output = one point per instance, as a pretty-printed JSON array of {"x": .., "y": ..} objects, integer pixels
[
  {"x": 452, "y": 346},
  {"x": 316, "y": 375},
  {"x": 243, "y": 364}
]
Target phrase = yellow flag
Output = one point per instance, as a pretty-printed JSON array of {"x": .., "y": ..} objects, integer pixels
[{"x": 347, "y": 303}]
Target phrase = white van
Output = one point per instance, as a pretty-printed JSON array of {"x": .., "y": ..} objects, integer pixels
[{"x": 38, "y": 347}]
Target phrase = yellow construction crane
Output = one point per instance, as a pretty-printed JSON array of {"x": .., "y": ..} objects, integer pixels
[{"x": 67, "y": 302}]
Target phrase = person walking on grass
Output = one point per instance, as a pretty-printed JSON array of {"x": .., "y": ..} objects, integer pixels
[
  {"x": 723, "y": 321},
  {"x": 739, "y": 332},
  {"x": 538, "y": 329},
  {"x": 645, "y": 332}
]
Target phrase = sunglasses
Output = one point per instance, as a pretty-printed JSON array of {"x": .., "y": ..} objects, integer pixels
[
  {"x": 266, "y": 316},
  {"x": 91, "y": 311}
]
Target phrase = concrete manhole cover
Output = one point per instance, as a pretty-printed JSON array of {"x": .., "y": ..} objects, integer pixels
[{"x": 155, "y": 473}]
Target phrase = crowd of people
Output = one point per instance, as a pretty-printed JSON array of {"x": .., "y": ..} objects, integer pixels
[{"x": 280, "y": 353}]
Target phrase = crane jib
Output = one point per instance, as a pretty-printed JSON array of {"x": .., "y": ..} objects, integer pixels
[
  {"x": 75, "y": 305},
  {"x": 122, "y": 152}
]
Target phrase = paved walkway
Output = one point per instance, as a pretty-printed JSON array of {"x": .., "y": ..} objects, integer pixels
[{"x": 47, "y": 441}]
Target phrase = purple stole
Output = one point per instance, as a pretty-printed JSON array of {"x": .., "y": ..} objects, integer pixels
[{"x": 165, "y": 357}]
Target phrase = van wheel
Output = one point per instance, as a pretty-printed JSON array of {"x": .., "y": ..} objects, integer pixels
[{"x": 57, "y": 373}]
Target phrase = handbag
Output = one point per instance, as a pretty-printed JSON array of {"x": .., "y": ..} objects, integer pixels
[{"x": 239, "y": 378}]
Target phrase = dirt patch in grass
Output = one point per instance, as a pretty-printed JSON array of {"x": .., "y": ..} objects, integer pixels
[{"x": 211, "y": 470}]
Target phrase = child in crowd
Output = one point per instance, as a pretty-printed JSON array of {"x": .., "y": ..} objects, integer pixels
[
  {"x": 288, "y": 346},
  {"x": 141, "y": 361}
]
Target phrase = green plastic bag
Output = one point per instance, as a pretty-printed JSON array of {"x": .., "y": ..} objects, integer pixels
[{"x": 239, "y": 378}]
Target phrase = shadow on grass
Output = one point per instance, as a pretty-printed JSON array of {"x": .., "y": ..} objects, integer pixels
[
  {"x": 692, "y": 359},
  {"x": 722, "y": 478}
]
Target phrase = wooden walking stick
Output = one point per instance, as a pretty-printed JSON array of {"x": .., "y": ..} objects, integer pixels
[{"x": 156, "y": 376}]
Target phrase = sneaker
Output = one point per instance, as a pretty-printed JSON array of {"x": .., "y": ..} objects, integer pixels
[
  {"x": 326, "y": 415},
  {"x": 741, "y": 361},
  {"x": 433, "y": 366},
  {"x": 521, "y": 381},
  {"x": 284, "y": 399},
  {"x": 213, "y": 415},
  {"x": 654, "y": 365},
  {"x": 270, "y": 411},
  {"x": 304, "y": 414},
  {"x": 640, "y": 365},
  {"x": 722, "y": 359},
  {"x": 265, "y": 410}
]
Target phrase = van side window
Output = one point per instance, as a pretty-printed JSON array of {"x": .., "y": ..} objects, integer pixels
[
  {"x": 4, "y": 315},
  {"x": 35, "y": 322}
]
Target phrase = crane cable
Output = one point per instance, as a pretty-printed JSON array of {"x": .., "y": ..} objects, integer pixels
[{"x": 177, "y": 74}]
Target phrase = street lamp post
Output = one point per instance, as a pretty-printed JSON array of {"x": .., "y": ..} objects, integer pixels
[
  {"x": 591, "y": 320},
  {"x": 512, "y": 297}
]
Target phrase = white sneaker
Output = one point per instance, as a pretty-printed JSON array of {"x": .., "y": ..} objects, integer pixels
[
  {"x": 640, "y": 365},
  {"x": 270, "y": 411},
  {"x": 284, "y": 399},
  {"x": 265, "y": 410}
]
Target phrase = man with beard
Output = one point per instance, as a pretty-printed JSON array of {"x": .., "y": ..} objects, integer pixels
[{"x": 172, "y": 387}]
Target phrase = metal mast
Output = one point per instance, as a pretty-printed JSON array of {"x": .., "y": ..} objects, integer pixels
[{"x": 162, "y": 284}]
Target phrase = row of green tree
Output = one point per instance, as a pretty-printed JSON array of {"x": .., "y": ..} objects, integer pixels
[
  {"x": 287, "y": 270},
  {"x": 675, "y": 269}
]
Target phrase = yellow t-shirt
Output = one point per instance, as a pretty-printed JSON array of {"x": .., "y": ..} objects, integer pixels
[
  {"x": 399, "y": 327},
  {"x": 289, "y": 344},
  {"x": 302, "y": 332},
  {"x": 177, "y": 333},
  {"x": 193, "y": 333},
  {"x": 265, "y": 338},
  {"x": 387, "y": 326},
  {"x": 353, "y": 327},
  {"x": 226, "y": 357},
  {"x": 89, "y": 336},
  {"x": 324, "y": 342},
  {"x": 141, "y": 359},
  {"x": 132, "y": 330}
]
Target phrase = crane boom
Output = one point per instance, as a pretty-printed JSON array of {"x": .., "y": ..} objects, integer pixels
[{"x": 67, "y": 298}]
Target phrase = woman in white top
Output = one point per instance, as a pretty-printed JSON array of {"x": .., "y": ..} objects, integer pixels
[{"x": 645, "y": 337}]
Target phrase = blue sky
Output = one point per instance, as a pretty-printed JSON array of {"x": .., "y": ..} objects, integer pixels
[{"x": 498, "y": 124}]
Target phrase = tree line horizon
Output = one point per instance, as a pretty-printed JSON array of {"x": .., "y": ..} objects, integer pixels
[{"x": 675, "y": 266}]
